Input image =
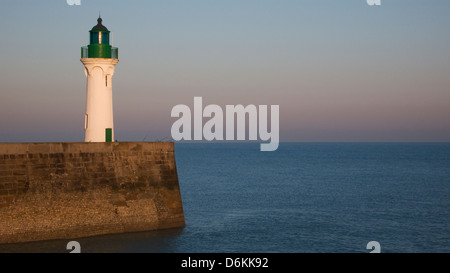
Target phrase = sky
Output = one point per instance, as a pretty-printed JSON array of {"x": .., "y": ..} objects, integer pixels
[{"x": 340, "y": 71}]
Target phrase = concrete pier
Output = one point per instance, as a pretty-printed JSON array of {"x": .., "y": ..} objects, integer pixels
[{"x": 71, "y": 190}]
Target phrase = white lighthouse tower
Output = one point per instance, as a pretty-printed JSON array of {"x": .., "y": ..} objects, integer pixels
[{"x": 99, "y": 59}]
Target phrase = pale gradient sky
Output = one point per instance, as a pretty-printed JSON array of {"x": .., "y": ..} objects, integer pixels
[{"x": 340, "y": 70}]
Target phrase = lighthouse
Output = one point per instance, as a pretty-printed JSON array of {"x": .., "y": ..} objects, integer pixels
[{"x": 99, "y": 59}]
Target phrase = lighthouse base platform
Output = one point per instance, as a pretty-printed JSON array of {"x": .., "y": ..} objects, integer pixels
[{"x": 71, "y": 190}]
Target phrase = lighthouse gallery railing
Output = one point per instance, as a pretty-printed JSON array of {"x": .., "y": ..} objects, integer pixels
[{"x": 114, "y": 52}]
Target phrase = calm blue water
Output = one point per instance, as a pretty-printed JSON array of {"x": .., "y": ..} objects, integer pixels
[{"x": 305, "y": 197}]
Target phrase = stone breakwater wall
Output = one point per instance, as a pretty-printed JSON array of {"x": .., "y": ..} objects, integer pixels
[{"x": 71, "y": 190}]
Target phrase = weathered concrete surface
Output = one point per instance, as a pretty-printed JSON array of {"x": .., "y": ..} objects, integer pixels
[{"x": 70, "y": 190}]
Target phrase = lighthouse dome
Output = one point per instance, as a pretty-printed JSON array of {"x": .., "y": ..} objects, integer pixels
[
  {"x": 99, "y": 26},
  {"x": 99, "y": 43}
]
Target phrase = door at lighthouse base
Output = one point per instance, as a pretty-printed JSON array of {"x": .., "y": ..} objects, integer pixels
[{"x": 108, "y": 135}]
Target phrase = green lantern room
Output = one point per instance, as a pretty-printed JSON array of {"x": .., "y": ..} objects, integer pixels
[{"x": 99, "y": 45}]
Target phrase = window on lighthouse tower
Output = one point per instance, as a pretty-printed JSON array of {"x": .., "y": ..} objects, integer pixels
[{"x": 108, "y": 80}]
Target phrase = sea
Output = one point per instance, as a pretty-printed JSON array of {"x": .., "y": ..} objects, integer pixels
[{"x": 302, "y": 198}]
